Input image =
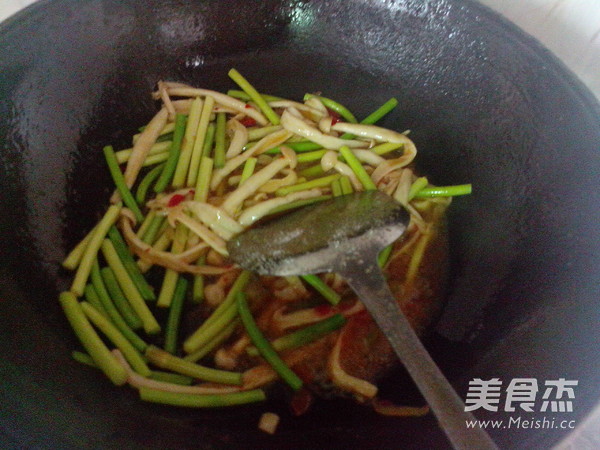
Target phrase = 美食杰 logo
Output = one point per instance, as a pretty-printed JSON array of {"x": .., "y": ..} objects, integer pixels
[{"x": 522, "y": 395}]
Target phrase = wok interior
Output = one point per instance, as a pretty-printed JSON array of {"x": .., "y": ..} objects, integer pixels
[{"x": 485, "y": 105}]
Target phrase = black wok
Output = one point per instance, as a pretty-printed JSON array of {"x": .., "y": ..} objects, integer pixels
[{"x": 485, "y": 103}]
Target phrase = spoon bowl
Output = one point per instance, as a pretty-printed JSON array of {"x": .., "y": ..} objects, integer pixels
[{"x": 325, "y": 237}]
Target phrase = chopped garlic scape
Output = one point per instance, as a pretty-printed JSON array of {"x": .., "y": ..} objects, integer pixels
[
  {"x": 138, "y": 381},
  {"x": 256, "y": 212}
]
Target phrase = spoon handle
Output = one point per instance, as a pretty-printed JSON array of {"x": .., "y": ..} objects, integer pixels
[{"x": 367, "y": 281}]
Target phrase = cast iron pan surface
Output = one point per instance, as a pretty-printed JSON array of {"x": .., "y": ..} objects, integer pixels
[{"x": 485, "y": 104}]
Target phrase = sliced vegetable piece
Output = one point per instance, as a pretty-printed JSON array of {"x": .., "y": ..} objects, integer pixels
[
  {"x": 386, "y": 147},
  {"x": 167, "y": 290},
  {"x": 153, "y": 230},
  {"x": 311, "y": 156},
  {"x": 203, "y": 180},
  {"x": 254, "y": 134},
  {"x": 336, "y": 188},
  {"x": 119, "y": 299},
  {"x": 187, "y": 145},
  {"x": 209, "y": 140},
  {"x": 171, "y": 164},
  {"x": 322, "y": 288},
  {"x": 119, "y": 180},
  {"x": 130, "y": 265},
  {"x": 198, "y": 284},
  {"x": 92, "y": 297},
  {"x": 384, "y": 256},
  {"x": 219, "y": 156},
  {"x": 255, "y": 96},
  {"x": 298, "y": 204},
  {"x": 245, "y": 97},
  {"x": 201, "y": 400},
  {"x": 111, "y": 310},
  {"x": 248, "y": 170},
  {"x": 203, "y": 140},
  {"x": 169, "y": 377},
  {"x": 172, "y": 327},
  {"x": 155, "y": 159},
  {"x": 90, "y": 339},
  {"x": 299, "y": 147},
  {"x": 318, "y": 182},
  {"x": 135, "y": 299},
  {"x": 199, "y": 337},
  {"x": 346, "y": 186},
  {"x": 115, "y": 336},
  {"x": 209, "y": 346},
  {"x": 358, "y": 169},
  {"x": 89, "y": 255},
  {"x": 158, "y": 148},
  {"x": 74, "y": 257},
  {"x": 334, "y": 106},
  {"x": 304, "y": 336},
  {"x": 83, "y": 358},
  {"x": 417, "y": 185},
  {"x": 378, "y": 114},
  {"x": 313, "y": 171},
  {"x": 444, "y": 191},
  {"x": 142, "y": 190},
  {"x": 264, "y": 347},
  {"x": 165, "y": 360}
]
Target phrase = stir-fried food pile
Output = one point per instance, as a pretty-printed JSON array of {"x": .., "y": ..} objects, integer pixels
[{"x": 157, "y": 304}]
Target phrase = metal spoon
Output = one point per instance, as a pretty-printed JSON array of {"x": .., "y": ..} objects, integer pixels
[{"x": 345, "y": 235}]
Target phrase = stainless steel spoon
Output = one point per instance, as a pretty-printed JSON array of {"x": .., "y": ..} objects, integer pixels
[{"x": 345, "y": 235}]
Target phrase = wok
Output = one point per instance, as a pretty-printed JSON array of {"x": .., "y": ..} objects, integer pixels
[{"x": 486, "y": 104}]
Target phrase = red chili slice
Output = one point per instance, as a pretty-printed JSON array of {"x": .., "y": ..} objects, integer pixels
[
  {"x": 248, "y": 122},
  {"x": 176, "y": 200},
  {"x": 335, "y": 117}
]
